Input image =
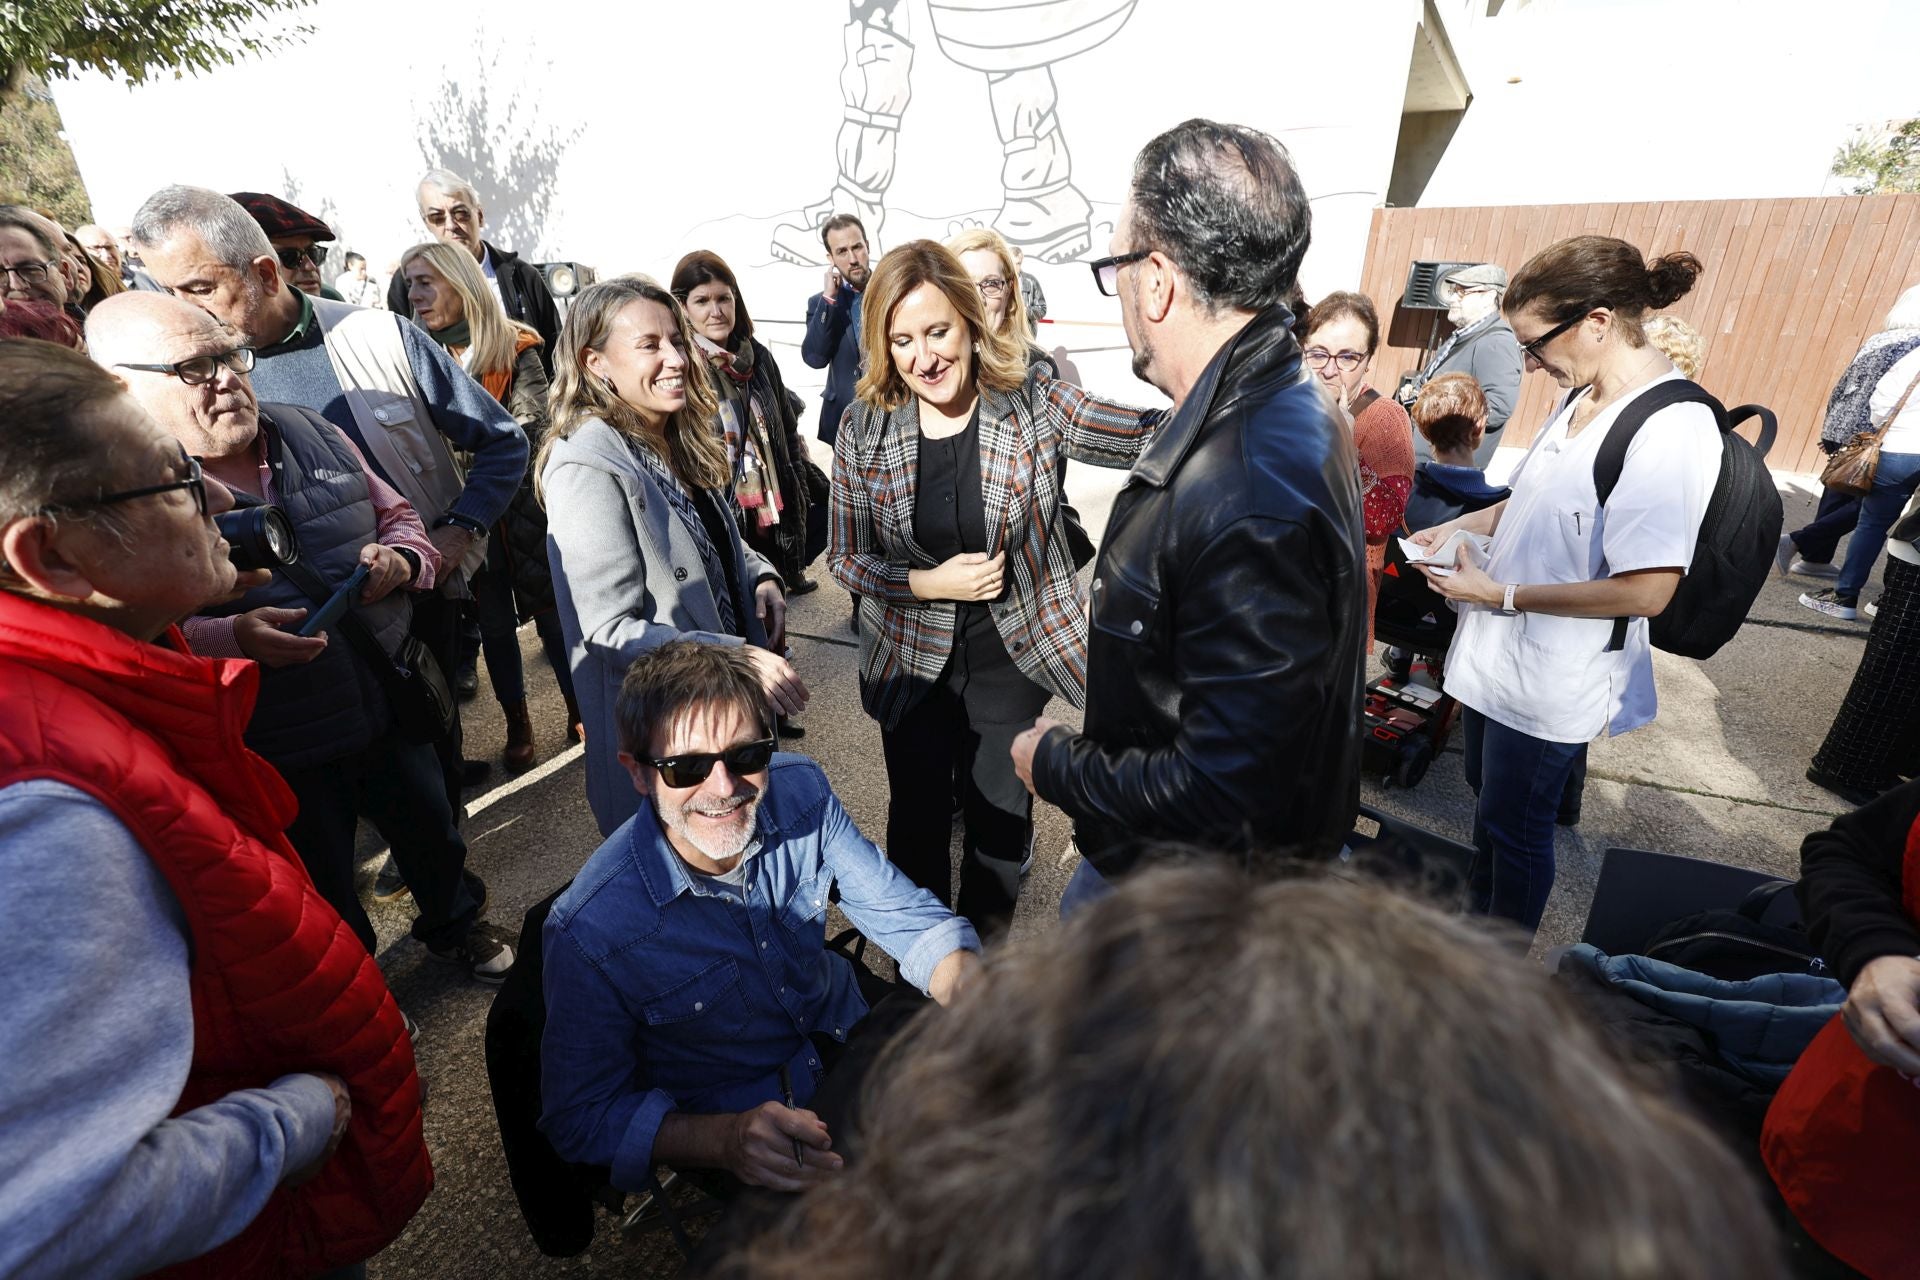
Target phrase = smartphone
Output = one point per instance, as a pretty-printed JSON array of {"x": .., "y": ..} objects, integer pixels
[{"x": 329, "y": 613}]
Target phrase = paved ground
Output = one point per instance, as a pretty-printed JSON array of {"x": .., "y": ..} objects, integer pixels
[{"x": 1720, "y": 775}]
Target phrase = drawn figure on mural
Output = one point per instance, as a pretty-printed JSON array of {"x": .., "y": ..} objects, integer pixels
[{"x": 1015, "y": 47}]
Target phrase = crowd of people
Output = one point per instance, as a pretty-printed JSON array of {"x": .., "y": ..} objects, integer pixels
[{"x": 1203, "y": 1070}]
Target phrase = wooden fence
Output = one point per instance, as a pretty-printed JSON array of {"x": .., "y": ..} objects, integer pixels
[{"x": 1791, "y": 289}]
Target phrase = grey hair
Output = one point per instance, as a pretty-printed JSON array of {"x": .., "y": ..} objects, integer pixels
[
  {"x": 51, "y": 449},
  {"x": 24, "y": 219},
  {"x": 1225, "y": 203},
  {"x": 450, "y": 182},
  {"x": 1905, "y": 313},
  {"x": 221, "y": 222}
]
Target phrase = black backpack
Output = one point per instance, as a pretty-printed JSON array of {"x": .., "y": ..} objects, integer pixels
[
  {"x": 1738, "y": 536},
  {"x": 1736, "y": 944}
]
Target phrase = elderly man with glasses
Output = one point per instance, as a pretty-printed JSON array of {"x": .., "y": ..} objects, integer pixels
[
  {"x": 694, "y": 1010},
  {"x": 1481, "y": 345},
  {"x": 295, "y": 236},
  {"x": 200, "y": 1074},
  {"x": 408, "y": 405},
  {"x": 451, "y": 210},
  {"x": 323, "y": 718}
]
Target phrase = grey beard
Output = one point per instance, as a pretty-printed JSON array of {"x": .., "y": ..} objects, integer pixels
[{"x": 676, "y": 820}]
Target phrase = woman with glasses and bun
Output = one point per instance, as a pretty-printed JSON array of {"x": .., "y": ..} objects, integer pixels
[
  {"x": 948, "y": 525},
  {"x": 641, "y": 534},
  {"x": 1552, "y": 648},
  {"x": 1343, "y": 332}
]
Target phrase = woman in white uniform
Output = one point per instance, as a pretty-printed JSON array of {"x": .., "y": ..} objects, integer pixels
[{"x": 1533, "y": 661}]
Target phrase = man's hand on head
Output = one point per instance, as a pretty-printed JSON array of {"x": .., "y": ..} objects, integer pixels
[{"x": 955, "y": 972}]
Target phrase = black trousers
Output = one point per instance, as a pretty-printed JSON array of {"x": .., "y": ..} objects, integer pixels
[
  {"x": 1875, "y": 738},
  {"x": 436, "y": 624},
  {"x": 964, "y": 728},
  {"x": 396, "y": 786}
]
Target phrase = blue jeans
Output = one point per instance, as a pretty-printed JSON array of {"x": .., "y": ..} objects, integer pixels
[
  {"x": 1894, "y": 481},
  {"x": 1519, "y": 780},
  {"x": 1085, "y": 888}
]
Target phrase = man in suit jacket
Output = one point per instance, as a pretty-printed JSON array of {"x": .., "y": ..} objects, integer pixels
[
  {"x": 832, "y": 341},
  {"x": 451, "y": 209},
  {"x": 1481, "y": 344}
]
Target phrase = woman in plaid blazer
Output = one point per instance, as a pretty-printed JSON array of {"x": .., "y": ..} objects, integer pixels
[{"x": 947, "y": 525}]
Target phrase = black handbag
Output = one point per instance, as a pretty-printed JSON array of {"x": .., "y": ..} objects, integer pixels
[{"x": 418, "y": 699}]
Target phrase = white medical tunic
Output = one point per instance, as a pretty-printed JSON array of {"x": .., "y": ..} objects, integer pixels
[{"x": 1553, "y": 677}]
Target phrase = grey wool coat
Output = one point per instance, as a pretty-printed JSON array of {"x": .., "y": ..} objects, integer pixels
[{"x": 627, "y": 577}]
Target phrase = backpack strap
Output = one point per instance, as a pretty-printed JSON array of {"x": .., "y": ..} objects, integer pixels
[
  {"x": 1612, "y": 458},
  {"x": 1363, "y": 401}
]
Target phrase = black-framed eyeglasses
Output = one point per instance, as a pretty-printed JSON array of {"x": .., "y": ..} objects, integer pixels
[
  {"x": 31, "y": 272},
  {"x": 992, "y": 286},
  {"x": 195, "y": 483},
  {"x": 197, "y": 370},
  {"x": 290, "y": 257},
  {"x": 1106, "y": 271},
  {"x": 691, "y": 770},
  {"x": 1344, "y": 361},
  {"x": 1533, "y": 348}
]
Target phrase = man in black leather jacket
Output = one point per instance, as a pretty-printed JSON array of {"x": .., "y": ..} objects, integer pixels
[{"x": 1229, "y": 601}]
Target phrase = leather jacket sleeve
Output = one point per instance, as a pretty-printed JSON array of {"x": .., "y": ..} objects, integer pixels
[{"x": 1251, "y": 650}]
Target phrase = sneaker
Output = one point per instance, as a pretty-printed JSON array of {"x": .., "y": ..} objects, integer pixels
[
  {"x": 388, "y": 883},
  {"x": 1872, "y": 610},
  {"x": 1831, "y": 603},
  {"x": 1784, "y": 554},
  {"x": 1814, "y": 568},
  {"x": 484, "y": 951}
]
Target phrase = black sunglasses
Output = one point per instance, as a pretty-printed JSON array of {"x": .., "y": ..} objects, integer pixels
[
  {"x": 290, "y": 258},
  {"x": 195, "y": 483},
  {"x": 198, "y": 370},
  {"x": 1106, "y": 271},
  {"x": 1533, "y": 348},
  {"x": 691, "y": 770}
]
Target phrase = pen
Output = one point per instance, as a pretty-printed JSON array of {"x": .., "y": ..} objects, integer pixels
[{"x": 786, "y": 1096}]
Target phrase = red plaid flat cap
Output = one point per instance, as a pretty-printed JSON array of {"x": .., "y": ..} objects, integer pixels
[{"x": 278, "y": 218}]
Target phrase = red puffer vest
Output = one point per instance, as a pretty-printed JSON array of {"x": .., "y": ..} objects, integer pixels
[
  {"x": 280, "y": 984},
  {"x": 1842, "y": 1141}
]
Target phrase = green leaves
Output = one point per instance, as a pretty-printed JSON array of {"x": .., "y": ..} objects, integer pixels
[
  {"x": 134, "y": 40},
  {"x": 1884, "y": 163}
]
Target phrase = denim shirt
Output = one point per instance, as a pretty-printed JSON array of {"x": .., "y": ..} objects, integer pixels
[{"x": 669, "y": 990}]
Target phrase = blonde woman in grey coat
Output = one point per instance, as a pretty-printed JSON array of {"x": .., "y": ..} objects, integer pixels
[{"x": 640, "y": 528}]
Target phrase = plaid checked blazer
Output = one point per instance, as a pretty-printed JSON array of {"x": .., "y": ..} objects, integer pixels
[{"x": 905, "y": 641}]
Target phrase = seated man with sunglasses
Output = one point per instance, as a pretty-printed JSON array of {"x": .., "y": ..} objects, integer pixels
[{"x": 693, "y": 1007}]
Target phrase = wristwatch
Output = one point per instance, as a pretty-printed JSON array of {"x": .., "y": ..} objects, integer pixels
[
  {"x": 412, "y": 558},
  {"x": 1506, "y": 600}
]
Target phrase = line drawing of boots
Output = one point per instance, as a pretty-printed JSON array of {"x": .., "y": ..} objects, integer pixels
[
  {"x": 1042, "y": 212},
  {"x": 875, "y": 86}
]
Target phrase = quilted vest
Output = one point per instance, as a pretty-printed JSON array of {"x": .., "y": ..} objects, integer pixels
[
  {"x": 1840, "y": 1141},
  {"x": 279, "y": 982},
  {"x": 322, "y": 710}
]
